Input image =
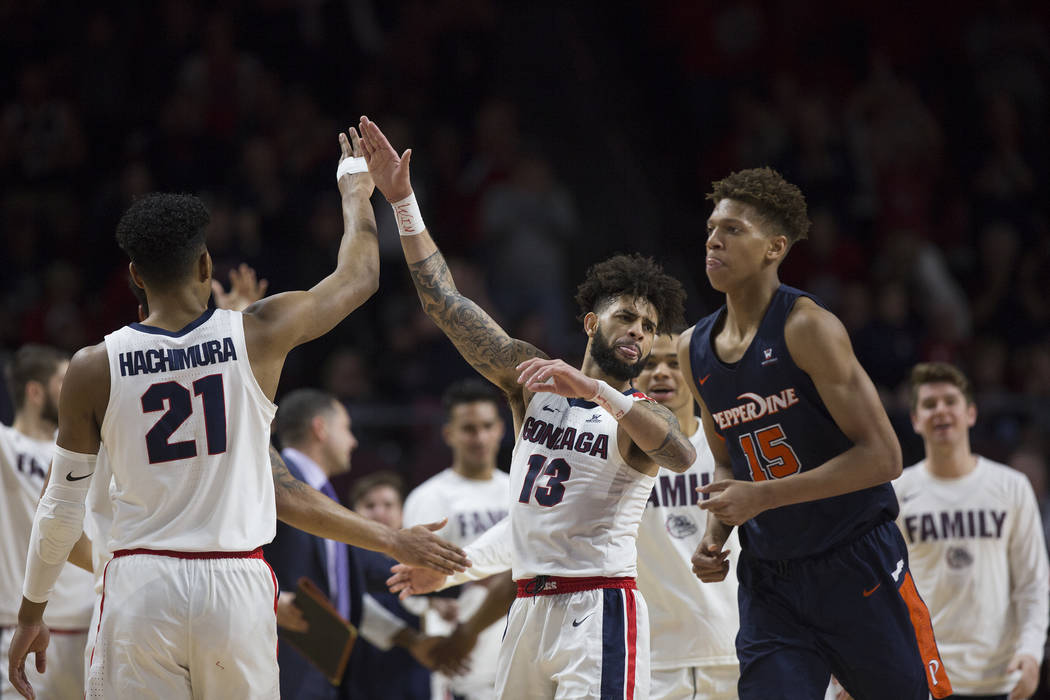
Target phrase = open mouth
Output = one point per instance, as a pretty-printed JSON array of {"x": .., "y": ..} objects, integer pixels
[
  {"x": 630, "y": 352},
  {"x": 661, "y": 392}
]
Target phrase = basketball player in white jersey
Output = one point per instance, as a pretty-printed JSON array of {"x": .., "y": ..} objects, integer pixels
[
  {"x": 183, "y": 403},
  {"x": 472, "y": 493},
  {"x": 584, "y": 463},
  {"x": 976, "y": 546},
  {"x": 692, "y": 624},
  {"x": 35, "y": 380}
]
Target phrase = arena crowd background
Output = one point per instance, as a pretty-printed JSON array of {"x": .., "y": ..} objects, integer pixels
[{"x": 546, "y": 136}]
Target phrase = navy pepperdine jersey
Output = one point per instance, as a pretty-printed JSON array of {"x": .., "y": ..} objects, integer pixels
[{"x": 775, "y": 424}]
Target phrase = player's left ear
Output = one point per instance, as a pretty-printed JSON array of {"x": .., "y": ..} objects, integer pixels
[
  {"x": 590, "y": 323},
  {"x": 971, "y": 415},
  {"x": 778, "y": 248}
]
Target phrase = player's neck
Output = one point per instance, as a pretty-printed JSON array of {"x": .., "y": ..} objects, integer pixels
[
  {"x": 950, "y": 461},
  {"x": 34, "y": 426},
  {"x": 480, "y": 472},
  {"x": 687, "y": 420},
  {"x": 747, "y": 304},
  {"x": 175, "y": 309}
]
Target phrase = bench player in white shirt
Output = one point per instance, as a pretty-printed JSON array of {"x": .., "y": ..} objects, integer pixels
[
  {"x": 584, "y": 463},
  {"x": 976, "y": 546},
  {"x": 26, "y": 447},
  {"x": 472, "y": 493},
  {"x": 183, "y": 403},
  {"x": 692, "y": 625}
]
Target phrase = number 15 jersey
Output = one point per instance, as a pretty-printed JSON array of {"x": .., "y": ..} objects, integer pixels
[
  {"x": 187, "y": 430},
  {"x": 575, "y": 503},
  {"x": 775, "y": 425}
]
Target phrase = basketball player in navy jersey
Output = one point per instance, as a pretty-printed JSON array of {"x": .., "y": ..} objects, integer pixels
[{"x": 803, "y": 455}]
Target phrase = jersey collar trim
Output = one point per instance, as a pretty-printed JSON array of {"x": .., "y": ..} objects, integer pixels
[{"x": 174, "y": 334}]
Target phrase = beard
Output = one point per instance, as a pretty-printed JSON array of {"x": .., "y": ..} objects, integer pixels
[
  {"x": 605, "y": 357},
  {"x": 49, "y": 411}
]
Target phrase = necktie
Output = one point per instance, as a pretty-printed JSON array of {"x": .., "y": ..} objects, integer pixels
[{"x": 341, "y": 594}]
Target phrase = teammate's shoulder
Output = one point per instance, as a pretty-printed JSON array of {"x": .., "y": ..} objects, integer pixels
[
  {"x": 1004, "y": 474},
  {"x": 810, "y": 325},
  {"x": 90, "y": 359}
]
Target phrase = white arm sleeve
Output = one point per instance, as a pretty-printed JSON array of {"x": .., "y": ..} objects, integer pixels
[
  {"x": 1029, "y": 574},
  {"x": 378, "y": 625},
  {"x": 489, "y": 554},
  {"x": 58, "y": 522}
]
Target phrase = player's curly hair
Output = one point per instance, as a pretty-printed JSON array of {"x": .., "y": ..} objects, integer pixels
[
  {"x": 637, "y": 276},
  {"x": 163, "y": 234},
  {"x": 776, "y": 199}
]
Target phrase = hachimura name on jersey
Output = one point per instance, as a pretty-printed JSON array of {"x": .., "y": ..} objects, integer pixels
[{"x": 153, "y": 360}]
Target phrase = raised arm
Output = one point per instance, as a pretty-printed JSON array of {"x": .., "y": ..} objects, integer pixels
[
  {"x": 276, "y": 324},
  {"x": 480, "y": 340},
  {"x": 311, "y": 511}
]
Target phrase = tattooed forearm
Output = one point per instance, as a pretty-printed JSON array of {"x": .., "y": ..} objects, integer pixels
[
  {"x": 652, "y": 422},
  {"x": 481, "y": 341},
  {"x": 283, "y": 481}
]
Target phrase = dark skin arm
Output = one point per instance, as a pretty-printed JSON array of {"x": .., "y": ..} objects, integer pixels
[
  {"x": 311, "y": 511},
  {"x": 454, "y": 649},
  {"x": 710, "y": 561}
]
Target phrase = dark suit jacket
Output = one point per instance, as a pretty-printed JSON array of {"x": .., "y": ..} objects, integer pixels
[{"x": 292, "y": 554}]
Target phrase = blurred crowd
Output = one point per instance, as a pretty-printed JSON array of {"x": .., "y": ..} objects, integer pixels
[{"x": 546, "y": 136}]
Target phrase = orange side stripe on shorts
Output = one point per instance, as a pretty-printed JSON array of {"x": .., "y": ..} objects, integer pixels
[{"x": 936, "y": 677}]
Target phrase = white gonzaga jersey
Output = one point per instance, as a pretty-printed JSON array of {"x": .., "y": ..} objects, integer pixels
[
  {"x": 187, "y": 430},
  {"x": 977, "y": 552},
  {"x": 24, "y": 463},
  {"x": 472, "y": 506},
  {"x": 691, "y": 623},
  {"x": 575, "y": 503}
]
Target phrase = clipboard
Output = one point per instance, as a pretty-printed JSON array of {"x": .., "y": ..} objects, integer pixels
[{"x": 328, "y": 643}]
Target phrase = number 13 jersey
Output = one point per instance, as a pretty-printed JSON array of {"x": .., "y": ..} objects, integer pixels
[
  {"x": 187, "y": 430},
  {"x": 775, "y": 425},
  {"x": 575, "y": 503}
]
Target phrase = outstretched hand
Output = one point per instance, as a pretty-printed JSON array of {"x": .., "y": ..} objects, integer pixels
[
  {"x": 350, "y": 147},
  {"x": 419, "y": 546},
  {"x": 388, "y": 169},
  {"x": 733, "y": 502},
  {"x": 413, "y": 580},
  {"x": 556, "y": 377},
  {"x": 245, "y": 289}
]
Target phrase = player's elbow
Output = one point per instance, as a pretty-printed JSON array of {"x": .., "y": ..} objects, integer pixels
[
  {"x": 680, "y": 459},
  {"x": 890, "y": 462}
]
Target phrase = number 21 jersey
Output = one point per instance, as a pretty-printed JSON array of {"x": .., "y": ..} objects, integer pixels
[
  {"x": 775, "y": 425},
  {"x": 187, "y": 430},
  {"x": 575, "y": 503}
]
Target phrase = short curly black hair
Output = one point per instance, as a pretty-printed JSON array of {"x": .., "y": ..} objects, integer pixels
[
  {"x": 636, "y": 276},
  {"x": 776, "y": 199},
  {"x": 163, "y": 234}
]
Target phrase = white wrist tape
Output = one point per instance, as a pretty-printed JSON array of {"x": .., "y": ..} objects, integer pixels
[
  {"x": 58, "y": 522},
  {"x": 406, "y": 213},
  {"x": 350, "y": 166},
  {"x": 612, "y": 401}
]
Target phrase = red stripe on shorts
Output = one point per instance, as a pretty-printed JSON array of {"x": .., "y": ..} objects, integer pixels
[{"x": 632, "y": 641}]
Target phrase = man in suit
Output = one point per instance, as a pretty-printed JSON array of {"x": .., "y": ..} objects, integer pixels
[{"x": 314, "y": 429}]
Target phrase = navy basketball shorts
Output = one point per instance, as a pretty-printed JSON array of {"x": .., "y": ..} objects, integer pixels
[{"x": 853, "y": 611}]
